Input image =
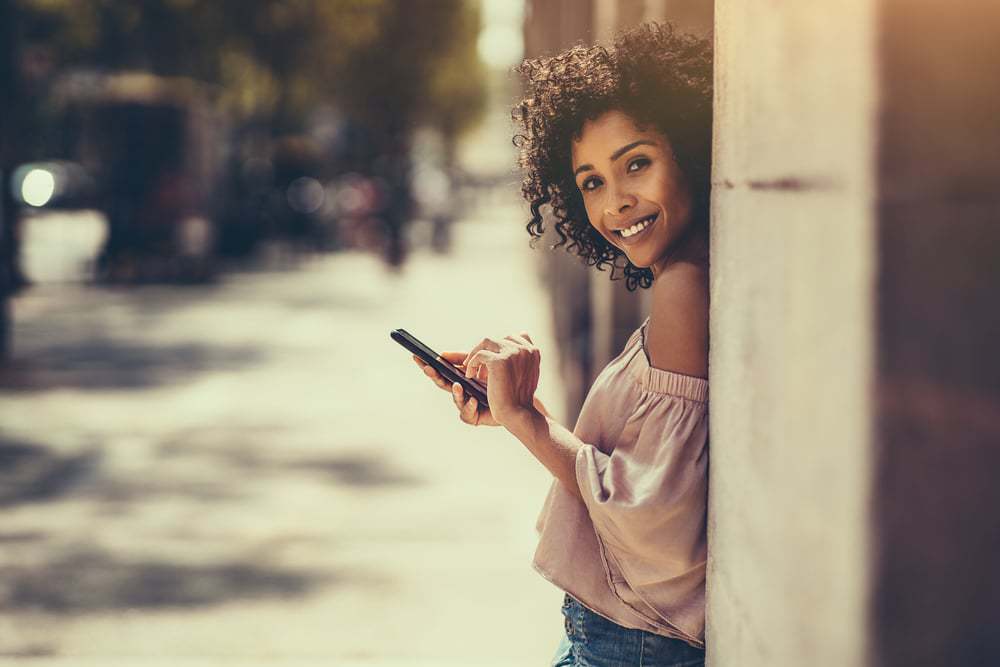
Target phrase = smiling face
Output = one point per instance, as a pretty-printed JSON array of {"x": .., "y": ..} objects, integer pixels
[{"x": 633, "y": 190}]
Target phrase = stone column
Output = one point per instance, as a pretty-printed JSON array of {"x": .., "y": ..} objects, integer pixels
[
  {"x": 854, "y": 507},
  {"x": 792, "y": 330}
]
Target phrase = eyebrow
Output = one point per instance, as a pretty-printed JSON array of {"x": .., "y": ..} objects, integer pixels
[{"x": 617, "y": 154}]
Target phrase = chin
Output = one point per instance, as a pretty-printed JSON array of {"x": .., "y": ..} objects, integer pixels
[{"x": 639, "y": 262}]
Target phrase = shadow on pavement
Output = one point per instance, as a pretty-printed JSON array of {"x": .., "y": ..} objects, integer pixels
[
  {"x": 91, "y": 580},
  {"x": 123, "y": 495},
  {"x": 30, "y": 651},
  {"x": 329, "y": 302},
  {"x": 101, "y": 364},
  {"x": 246, "y": 450},
  {"x": 22, "y": 537},
  {"x": 35, "y": 473},
  {"x": 354, "y": 470}
]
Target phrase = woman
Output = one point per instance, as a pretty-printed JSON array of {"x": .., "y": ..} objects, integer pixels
[{"x": 617, "y": 142}]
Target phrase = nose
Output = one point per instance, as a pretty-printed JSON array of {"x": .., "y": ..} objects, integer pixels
[{"x": 618, "y": 202}]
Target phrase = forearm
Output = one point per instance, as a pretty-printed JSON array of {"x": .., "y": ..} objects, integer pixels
[
  {"x": 550, "y": 442},
  {"x": 540, "y": 406}
]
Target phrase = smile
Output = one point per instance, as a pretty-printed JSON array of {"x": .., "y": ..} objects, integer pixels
[{"x": 636, "y": 230}]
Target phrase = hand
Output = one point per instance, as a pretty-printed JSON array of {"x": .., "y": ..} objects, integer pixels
[
  {"x": 512, "y": 364},
  {"x": 469, "y": 411}
]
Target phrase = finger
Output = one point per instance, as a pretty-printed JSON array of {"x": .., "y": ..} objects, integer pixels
[
  {"x": 470, "y": 413},
  {"x": 482, "y": 374},
  {"x": 521, "y": 339},
  {"x": 454, "y": 357},
  {"x": 484, "y": 344},
  {"x": 518, "y": 340},
  {"x": 480, "y": 358},
  {"x": 430, "y": 372},
  {"x": 424, "y": 366},
  {"x": 458, "y": 394}
]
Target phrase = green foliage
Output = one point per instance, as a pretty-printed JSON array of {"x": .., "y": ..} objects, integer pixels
[{"x": 389, "y": 63}]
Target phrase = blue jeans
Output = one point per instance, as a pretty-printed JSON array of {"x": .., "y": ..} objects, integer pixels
[{"x": 593, "y": 641}]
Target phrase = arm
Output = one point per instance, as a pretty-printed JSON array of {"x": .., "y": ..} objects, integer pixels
[
  {"x": 647, "y": 497},
  {"x": 644, "y": 492},
  {"x": 551, "y": 443},
  {"x": 540, "y": 407}
]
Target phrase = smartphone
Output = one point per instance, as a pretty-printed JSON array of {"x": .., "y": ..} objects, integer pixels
[{"x": 445, "y": 369}]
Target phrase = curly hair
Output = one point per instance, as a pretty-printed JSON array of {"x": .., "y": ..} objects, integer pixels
[{"x": 661, "y": 78}]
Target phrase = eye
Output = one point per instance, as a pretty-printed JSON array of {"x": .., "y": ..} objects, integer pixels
[
  {"x": 591, "y": 183},
  {"x": 638, "y": 164}
]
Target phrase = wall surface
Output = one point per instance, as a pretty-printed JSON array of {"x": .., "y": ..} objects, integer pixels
[
  {"x": 792, "y": 334},
  {"x": 936, "y": 519}
]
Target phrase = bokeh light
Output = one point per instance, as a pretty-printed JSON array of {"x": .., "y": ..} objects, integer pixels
[
  {"x": 500, "y": 46},
  {"x": 501, "y": 42},
  {"x": 38, "y": 187},
  {"x": 306, "y": 195}
]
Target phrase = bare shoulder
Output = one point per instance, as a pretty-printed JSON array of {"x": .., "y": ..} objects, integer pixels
[{"x": 677, "y": 336}]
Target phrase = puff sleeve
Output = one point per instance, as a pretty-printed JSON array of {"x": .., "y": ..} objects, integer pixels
[{"x": 647, "y": 498}]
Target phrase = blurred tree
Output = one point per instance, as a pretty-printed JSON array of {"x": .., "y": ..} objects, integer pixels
[
  {"x": 386, "y": 65},
  {"x": 457, "y": 89},
  {"x": 385, "y": 62}
]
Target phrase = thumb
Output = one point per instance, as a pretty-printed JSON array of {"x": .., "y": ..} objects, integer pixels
[{"x": 454, "y": 357}]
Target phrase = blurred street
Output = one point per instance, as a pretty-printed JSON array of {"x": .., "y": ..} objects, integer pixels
[{"x": 252, "y": 472}]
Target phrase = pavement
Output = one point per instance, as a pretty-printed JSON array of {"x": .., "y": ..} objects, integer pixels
[{"x": 252, "y": 472}]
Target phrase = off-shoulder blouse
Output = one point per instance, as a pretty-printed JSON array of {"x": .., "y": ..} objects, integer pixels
[{"x": 634, "y": 551}]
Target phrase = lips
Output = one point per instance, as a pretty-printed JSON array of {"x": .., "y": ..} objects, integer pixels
[{"x": 645, "y": 223}]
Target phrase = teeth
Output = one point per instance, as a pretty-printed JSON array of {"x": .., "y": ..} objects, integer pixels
[{"x": 636, "y": 228}]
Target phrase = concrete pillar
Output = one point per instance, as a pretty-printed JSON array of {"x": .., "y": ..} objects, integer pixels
[
  {"x": 855, "y": 376},
  {"x": 792, "y": 330}
]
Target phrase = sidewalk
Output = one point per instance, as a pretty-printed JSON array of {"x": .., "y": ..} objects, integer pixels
[{"x": 253, "y": 473}]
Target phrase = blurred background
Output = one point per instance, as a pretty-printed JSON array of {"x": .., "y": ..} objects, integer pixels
[{"x": 212, "y": 215}]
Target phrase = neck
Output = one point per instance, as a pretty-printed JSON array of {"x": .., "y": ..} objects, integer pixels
[{"x": 693, "y": 249}]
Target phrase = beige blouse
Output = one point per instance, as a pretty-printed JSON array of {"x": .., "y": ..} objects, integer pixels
[{"x": 635, "y": 550}]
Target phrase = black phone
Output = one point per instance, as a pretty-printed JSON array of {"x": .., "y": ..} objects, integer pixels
[{"x": 444, "y": 368}]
